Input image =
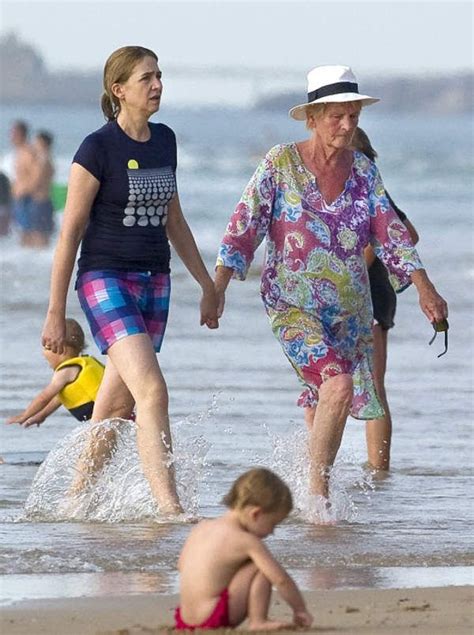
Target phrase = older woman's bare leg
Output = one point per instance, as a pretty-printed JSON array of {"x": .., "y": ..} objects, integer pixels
[
  {"x": 325, "y": 435},
  {"x": 113, "y": 401},
  {"x": 378, "y": 432}
]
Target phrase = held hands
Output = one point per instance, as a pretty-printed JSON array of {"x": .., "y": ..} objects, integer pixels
[
  {"x": 54, "y": 333},
  {"x": 302, "y": 618},
  {"x": 209, "y": 315}
]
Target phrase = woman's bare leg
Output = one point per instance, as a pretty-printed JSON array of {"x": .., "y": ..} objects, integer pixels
[
  {"x": 135, "y": 361},
  {"x": 137, "y": 368},
  {"x": 249, "y": 596},
  {"x": 378, "y": 432},
  {"x": 325, "y": 436},
  {"x": 113, "y": 400}
]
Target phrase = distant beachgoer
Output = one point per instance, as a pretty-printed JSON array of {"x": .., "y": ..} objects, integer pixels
[
  {"x": 318, "y": 203},
  {"x": 41, "y": 215},
  {"x": 23, "y": 169},
  {"x": 5, "y": 204},
  {"x": 74, "y": 385},
  {"x": 123, "y": 206},
  {"x": 226, "y": 571}
]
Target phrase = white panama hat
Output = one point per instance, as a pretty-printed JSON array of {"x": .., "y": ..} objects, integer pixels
[{"x": 331, "y": 84}]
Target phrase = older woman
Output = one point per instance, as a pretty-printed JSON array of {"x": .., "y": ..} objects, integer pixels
[{"x": 319, "y": 203}]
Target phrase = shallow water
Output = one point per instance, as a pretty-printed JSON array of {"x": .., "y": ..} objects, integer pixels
[{"x": 232, "y": 400}]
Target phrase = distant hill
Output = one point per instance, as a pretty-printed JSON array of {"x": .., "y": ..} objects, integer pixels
[{"x": 26, "y": 79}]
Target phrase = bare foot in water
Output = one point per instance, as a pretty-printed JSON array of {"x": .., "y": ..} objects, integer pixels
[
  {"x": 171, "y": 507},
  {"x": 320, "y": 510}
]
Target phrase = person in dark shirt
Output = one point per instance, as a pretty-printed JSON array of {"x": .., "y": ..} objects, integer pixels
[
  {"x": 123, "y": 208},
  {"x": 384, "y": 301}
]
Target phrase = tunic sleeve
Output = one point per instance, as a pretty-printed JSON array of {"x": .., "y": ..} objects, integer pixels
[
  {"x": 250, "y": 221},
  {"x": 389, "y": 236}
]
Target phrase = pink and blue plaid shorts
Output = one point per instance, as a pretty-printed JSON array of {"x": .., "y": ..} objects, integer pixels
[{"x": 121, "y": 303}]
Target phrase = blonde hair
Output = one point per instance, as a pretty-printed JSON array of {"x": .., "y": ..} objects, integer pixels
[
  {"x": 118, "y": 68},
  {"x": 74, "y": 335},
  {"x": 262, "y": 488},
  {"x": 316, "y": 110}
]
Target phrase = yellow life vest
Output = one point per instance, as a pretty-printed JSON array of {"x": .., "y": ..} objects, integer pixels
[{"x": 79, "y": 396}]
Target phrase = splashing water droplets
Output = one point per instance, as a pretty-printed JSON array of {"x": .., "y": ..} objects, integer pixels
[
  {"x": 119, "y": 492},
  {"x": 290, "y": 459}
]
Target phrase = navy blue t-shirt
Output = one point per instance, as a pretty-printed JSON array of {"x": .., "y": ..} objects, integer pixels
[{"x": 126, "y": 229}]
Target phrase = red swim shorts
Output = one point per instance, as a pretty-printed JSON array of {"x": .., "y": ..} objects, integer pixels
[{"x": 218, "y": 618}]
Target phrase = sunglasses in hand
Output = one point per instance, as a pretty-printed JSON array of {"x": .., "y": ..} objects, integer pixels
[{"x": 441, "y": 327}]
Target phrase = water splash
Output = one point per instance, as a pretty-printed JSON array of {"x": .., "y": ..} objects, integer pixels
[
  {"x": 290, "y": 459},
  {"x": 120, "y": 491}
]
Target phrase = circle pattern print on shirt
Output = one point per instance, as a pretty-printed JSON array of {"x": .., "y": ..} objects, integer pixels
[{"x": 149, "y": 192}]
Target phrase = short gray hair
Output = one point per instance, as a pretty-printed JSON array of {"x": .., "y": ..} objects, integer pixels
[{"x": 316, "y": 110}]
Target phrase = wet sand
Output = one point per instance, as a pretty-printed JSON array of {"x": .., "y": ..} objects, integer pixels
[{"x": 422, "y": 611}]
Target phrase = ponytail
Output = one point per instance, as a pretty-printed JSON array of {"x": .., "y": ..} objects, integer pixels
[{"x": 108, "y": 107}]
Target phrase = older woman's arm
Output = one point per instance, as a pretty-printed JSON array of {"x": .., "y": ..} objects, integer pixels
[
  {"x": 246, "y": 229},
  {"x": 392, "y": 243}
]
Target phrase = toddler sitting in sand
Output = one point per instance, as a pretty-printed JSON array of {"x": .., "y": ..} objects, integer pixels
[
  {"x": 75, "y": 382},
  {"x": 227, "y": 572}
]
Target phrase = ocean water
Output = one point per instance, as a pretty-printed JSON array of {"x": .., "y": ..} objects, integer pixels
[{"x": 233, "y": 395}]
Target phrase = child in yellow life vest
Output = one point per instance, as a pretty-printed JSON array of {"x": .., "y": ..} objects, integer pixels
[{"x": 76, "y": 380}]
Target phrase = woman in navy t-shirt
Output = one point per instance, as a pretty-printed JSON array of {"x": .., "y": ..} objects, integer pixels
[{"x": 123, "y": 207}]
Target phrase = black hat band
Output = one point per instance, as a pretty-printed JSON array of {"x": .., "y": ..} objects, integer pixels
[{"x": 333, "y": 89}]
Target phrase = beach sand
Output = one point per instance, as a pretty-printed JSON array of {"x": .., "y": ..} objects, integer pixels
[{"x": 421, "y": 611}]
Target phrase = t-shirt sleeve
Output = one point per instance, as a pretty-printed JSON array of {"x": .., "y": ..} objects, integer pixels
[{"x": 90, "y": 156}]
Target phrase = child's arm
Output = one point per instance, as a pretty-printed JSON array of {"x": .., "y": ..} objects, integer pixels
[
  {"x": 280, "y": 579},
  {"x": 44, "y": 399},
  {"x": 38, "y": 418}
]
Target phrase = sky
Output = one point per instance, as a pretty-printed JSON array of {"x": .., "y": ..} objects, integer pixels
[{"x": 372, "y": 37}]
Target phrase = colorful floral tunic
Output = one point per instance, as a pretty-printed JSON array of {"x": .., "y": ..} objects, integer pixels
[{"x": 315, "y": 285}]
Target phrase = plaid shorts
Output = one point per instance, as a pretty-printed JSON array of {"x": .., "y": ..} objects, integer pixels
[{"x": 121, "y": 303}]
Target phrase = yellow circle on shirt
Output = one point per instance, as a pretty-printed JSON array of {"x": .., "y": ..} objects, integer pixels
[{"x": 133, "y": 165}]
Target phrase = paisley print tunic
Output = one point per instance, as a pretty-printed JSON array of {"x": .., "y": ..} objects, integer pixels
[{"x": 315, "y": 285}]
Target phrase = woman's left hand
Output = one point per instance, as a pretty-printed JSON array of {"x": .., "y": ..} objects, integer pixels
[
  {"x": 209, "y": 308},
  {"x": 432, "y": 304}
]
